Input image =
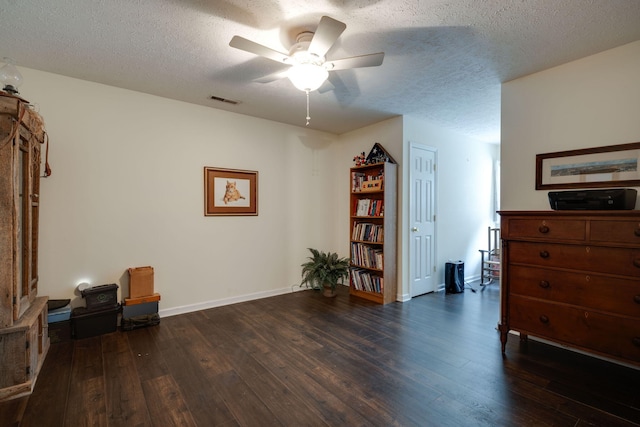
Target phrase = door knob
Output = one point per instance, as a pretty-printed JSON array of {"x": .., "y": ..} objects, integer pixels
[{"x": 415, "y": 229}]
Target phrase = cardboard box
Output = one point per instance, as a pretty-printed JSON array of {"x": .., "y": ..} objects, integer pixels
[
  {"x": 140, "y": 282},
  {"x": 142, "y": 300}
]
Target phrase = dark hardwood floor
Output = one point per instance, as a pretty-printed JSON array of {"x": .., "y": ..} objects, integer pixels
[{"x": 304, "y": 360}]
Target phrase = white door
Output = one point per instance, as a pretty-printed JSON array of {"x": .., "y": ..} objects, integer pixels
[{"x": 422, "y": 217}]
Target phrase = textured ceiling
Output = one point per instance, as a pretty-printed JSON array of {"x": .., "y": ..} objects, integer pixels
[{"x": 444, "y": 60}]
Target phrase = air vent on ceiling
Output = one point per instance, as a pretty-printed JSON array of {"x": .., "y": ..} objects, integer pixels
[{"x": 228, "y": 101}]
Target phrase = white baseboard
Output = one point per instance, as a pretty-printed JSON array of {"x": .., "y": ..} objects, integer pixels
[
  {"x": 403, "y": 297},
  {"x": 226, "y": 301}
]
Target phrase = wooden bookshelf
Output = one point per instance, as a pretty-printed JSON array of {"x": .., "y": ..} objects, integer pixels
[{"x": 373, "y": 207}]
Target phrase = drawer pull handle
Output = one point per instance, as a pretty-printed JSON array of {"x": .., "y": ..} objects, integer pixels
[
  {"x": 636, "y": 299},
  {"x": 543, "y": 229},
  {"x": 636, "y": 262},
  {"x": 636, "y": 341},
  {"x": 544, "y": 319},
  {"x": 545, "y": 254},
  {"x": 637, "y": 232},
  {"x": 545, "y": 285}
]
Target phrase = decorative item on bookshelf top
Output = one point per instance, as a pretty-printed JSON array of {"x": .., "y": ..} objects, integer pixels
[
  {"x": 377, "y": 155},
  {"x": 359, "y": 159}
]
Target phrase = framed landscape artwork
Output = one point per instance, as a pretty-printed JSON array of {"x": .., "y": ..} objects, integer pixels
[
  {"x": 230, "y": 192},
  {"x": 609, "y": 166}
]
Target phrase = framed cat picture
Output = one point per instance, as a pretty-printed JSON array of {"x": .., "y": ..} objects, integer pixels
[{"x": 230, "y": 192}]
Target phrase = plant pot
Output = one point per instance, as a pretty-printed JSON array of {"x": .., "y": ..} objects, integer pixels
[{"x": 327, "y": 291}]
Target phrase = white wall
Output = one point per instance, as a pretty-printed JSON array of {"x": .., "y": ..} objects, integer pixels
[
  {"x": 591, "y": 102},
  {"x": 465, "y": 204},
  {"x": 127, "y": 190}
]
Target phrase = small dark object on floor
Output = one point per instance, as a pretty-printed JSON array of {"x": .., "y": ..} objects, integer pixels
[
  {"x": 140, "y": 321},
  {"x": 454, "y": 277}
]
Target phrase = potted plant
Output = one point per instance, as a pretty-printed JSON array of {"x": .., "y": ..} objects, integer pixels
[{"x": 323, "y": 271}]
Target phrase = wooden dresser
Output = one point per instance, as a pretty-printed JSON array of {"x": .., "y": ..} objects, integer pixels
[{"x": 573, "y": 277}]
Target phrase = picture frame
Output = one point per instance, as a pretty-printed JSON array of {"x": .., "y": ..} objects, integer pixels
[
  {"x": 598, "y": 167},
  {"x": 230, "y": 192}
]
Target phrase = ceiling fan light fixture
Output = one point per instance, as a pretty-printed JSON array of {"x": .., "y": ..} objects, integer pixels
[{"x": 307, "y": 77}]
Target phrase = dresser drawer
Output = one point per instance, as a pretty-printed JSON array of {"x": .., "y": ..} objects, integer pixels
[
  {"x": 615, "y": 231},
  {"x": 598, "y": 292},
  {"x": 596, "y": 259},
  {"x": 617, "y": 336},
  {"x": 545, "y": 228}
]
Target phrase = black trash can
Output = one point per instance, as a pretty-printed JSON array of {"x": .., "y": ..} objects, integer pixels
[{"x": 454, "y": 277}]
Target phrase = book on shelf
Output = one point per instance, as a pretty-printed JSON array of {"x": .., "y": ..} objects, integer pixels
[
  {"x": 361, "y": 182},
  {"x": 370, "y": 207},
  {"x": 363, "y": 280},
  {"x": 357, "y": 178},
  {"x": 366, "y": 256},
  {"x": 363, "y": 207},
  {"x": 368, "y": 232}
]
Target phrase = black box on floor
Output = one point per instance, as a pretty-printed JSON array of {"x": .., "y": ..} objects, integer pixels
[
  {"x": 87, "y": 323},
  {"x": 101, "y": 297},
  {"x": 454, "y": 277},
  {"x": 136, "y": 322},
  {"x": 60, "y": 331}
]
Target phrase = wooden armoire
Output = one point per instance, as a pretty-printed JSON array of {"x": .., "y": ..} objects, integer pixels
[{"x": 24, "y": 339}]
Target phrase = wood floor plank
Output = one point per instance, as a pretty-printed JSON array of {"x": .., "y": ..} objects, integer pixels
[
  {"x": 206, "y": 405},
  {"x": 50, "y": 395},
  {"x": 125, "y": 400},
  {"x": 290, "y": 368},
  {"x": 86, "y": 402},
  {"x": 288, "y": 408},
  {"x": 167, "y": 406},
  {"x": 148, "y": 359},
  {"x": 12, "y": 411},
  {"x": 246, "y": 406},
  {"x": 303, "y": 359},
  {"x": 86, "y": 405}
]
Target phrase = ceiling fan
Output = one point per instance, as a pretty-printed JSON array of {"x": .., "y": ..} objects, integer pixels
[{"x": 308, "y": 66}]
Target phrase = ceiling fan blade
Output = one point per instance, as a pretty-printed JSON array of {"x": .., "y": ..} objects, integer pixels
[
  {"x": 272, "y": 77},
  {"x": 326, "y": 87},
  {"x": 371, "y": 60},
  {"x": 326, "y": 35},
  {"x": 258, "y": 49}
]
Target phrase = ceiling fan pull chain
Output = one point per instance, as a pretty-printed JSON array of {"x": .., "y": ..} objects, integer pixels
[{"x": 308, "y": 117}]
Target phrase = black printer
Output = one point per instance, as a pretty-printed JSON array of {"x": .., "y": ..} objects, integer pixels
[{"x": 611, "y": 199}]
